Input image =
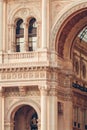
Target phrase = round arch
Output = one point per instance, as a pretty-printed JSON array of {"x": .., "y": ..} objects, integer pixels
[
  {"x": 14, "y": 107},
  {"x": 68, "y": 24},
  {"x": 23, "y": 13}
]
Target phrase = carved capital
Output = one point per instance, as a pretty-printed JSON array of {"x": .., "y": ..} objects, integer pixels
[
  {"x": 44, "y": 90},
  {"x": 53, "y": 92}
]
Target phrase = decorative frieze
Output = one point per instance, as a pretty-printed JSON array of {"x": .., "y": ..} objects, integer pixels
[
  {"x": 21, "y": 91},
  {"x": 23, "y": 73}
]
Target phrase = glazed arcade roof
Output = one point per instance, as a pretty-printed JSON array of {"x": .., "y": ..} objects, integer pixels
[{"x": 83, "y": 34}]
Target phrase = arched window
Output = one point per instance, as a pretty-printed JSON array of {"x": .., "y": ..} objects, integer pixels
[
  {"x": 32, "y": 34},
  {"x": 76, "y": 67},
  {"x": 19, "y": 35},
  {"x": 84, "y": 71}
]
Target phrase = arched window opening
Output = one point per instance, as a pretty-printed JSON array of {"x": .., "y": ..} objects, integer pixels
[
  {"x": 84, "y": 71},
  {"x": 19, "y": 35},
  {"x": 32, "y": 34},
  {"x": 77, "y": 67}
]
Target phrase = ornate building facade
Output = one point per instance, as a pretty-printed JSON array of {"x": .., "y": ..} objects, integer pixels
[{"x": 43, "y": 65}]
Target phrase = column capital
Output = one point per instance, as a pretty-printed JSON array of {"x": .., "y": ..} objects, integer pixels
[
  {"x": 53, "y": 92},
  {"x": 25, "y": 24},
  {"x": 44, "y": 89}
]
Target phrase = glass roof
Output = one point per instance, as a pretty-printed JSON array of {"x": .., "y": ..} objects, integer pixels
[{"x": 83, "y": 34}]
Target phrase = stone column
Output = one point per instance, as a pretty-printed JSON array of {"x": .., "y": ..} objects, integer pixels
[
  {"x": 1, "y": 110},
  {"x": 38, "y": 35},
  {"x": 1, "y": 29},
  {"x": 1, "y": 25},
  {"x": 12, "y": 42},
  {"x": 26, "y": 46},
  {"x": 44, "y": 92},
  {"x": 44, "y": 23},
  {"x": 53, "y": 110},
  {"x": 4, "y": 25}
]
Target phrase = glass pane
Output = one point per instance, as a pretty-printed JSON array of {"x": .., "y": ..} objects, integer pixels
[
  {"x": 34, "y": 45},
  {"x": 21, "y": 40},
  {"x": 21, "y": 47},
  {"x": 83, "y": 34}
]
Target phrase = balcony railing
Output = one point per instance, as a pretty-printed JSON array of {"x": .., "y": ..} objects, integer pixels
[{"x": 20, "y": 57}]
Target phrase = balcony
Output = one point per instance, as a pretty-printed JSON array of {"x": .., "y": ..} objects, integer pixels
[{"x": 34, "y": 58}]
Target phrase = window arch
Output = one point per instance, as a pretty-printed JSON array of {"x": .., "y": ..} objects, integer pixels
[
  {"x": 76, "y": 66},
  {"x": 84, "y": 71},
  {"x": 19, "y": 35},
  {"x": 32, "y": 34}
]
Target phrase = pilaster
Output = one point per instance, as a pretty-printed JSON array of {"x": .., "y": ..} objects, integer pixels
[
  {"x": 44, "y": 23},
  {"x": 44, "y": 92},
  {"x": 1, "y": 25},
  {"x": 9, "y": 126},
  {"x": 1, "y": 30},
  {"x": 11, "y": 39},
  {"x": 1, "y": 109},
  {"x": 53, "y": 109},
  {"x": 26, "y": 46},
  {"x": 68, "y": 118}
]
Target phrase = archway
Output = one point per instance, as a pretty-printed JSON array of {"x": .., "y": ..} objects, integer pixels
[
  {"x": 72, "y": 46},
  {"x": 25, "y": 118},
  {"x": 68, "y": 32}
]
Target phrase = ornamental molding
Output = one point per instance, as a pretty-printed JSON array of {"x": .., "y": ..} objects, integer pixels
[
  {"x": 23, "y": 1},
  {"x": 17, "y": 103},
  {"x": 62, "y": 16},
  {"x": 21, "y": 91},
  {"x": 23, "y": 65},
  {"x": 79, "y": 100},
  {"x": 23, "y": 75},
  {"x": 23, "y": 10}
]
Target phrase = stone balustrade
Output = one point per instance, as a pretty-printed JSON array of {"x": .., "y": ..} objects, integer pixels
[{"x": 34, "y": 56}]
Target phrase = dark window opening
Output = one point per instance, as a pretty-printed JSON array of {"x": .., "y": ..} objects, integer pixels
[
  {"x": 19, "y": 35},
  {"x": 32, "y": 34}
]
